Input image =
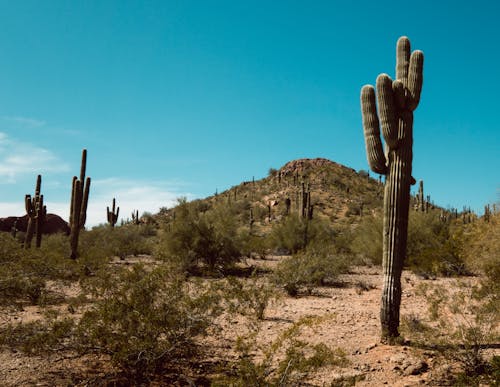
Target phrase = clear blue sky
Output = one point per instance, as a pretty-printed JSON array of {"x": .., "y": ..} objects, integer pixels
[{"x": 182, "y": 97}]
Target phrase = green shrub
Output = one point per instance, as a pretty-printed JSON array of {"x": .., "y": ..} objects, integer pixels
[
  {"x": 24, "y": 273},
  {"x": 367, "y": 239},
  {"x": 144, "y": 319},
  {"x": 194, "y": 237},
  {"x": 250, "y": 296},
  {"x": 295, "y": 233},
  {"x": 286, "y": 361},
  {"x": 432, "y": 248},
  {"x": 105, "y": 242},
  {"x": 470, "y": 318},
  {"x": 313, "y": 267}
]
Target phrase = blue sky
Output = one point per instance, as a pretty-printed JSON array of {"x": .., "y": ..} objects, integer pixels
[{"x": 180, "y": 98}]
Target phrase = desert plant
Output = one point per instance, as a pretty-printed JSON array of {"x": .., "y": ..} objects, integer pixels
[
  {"x": 112, "y": 215},
  {"x": 37, "y": 213},
  {"x": 470, "y": 317},
  {"x": 250, "y": 296},
  {"x": 209, "y": 237},
  {"x": 366, "y": 240},
  {"x": 286, "y": 361},
  {"x": 144, "y": 319},
  {"x": 396, "y": 101},
  {"x": 295, "y": 233},
  {"x": 315, "y": 266},
  {"x": 78, "y": 210}
]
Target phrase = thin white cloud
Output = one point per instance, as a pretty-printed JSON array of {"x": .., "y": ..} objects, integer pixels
[
  {"x": 130, "y": 195},
  {"x": 20, "y": 158},
  {"x": 24, "y": 121}
]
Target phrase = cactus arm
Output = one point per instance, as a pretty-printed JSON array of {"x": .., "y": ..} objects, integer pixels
[
  {"x": 71, "y": 208},
  {"x": 85, "y": 201},
  {"x": 399, "y": 94},
  {"x": 83, "y": 165},
  {"x": 28, "y": 204},
  {"x": 403, "y": 51},
  {"x": 387, "y": 111},
  {"x": 374, "y": 151},
  {"x": 415, "y": 79}
]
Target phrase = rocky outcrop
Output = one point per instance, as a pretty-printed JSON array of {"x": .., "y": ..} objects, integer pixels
[{"x": 53, "y": 224}]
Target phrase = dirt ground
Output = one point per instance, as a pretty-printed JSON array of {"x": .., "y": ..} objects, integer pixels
[{"x": 349, "y": 320}]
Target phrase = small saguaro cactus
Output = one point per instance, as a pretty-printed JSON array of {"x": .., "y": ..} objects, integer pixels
[
  {"x": 78, "y": 210},
  {"x": 396, "y": 100},
  {"x": 113, "y": 214},
  {"x": 135, "y": 217},
  {"x": 420, "y": 197},
  {"x": 36, "y": 212}
]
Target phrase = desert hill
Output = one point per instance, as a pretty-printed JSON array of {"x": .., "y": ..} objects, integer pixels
[{"x": 335, "y": 192}]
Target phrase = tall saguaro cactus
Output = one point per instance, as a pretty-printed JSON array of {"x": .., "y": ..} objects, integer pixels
[
  {"x": 78, "y": 210},
  {"x": 396, "y": 100}
]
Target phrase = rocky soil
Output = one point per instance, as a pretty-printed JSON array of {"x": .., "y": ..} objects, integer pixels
[{"x": 347, "y": 319}]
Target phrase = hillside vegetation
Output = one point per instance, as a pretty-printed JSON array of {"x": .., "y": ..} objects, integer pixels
[{"x": 271, "y": 282}]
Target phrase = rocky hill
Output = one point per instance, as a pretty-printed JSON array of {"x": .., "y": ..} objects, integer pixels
[{"x": 319, "y": 186}]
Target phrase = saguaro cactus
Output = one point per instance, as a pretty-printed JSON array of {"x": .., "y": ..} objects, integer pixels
[
  {"x": 36, "y": 212},
  {"x": 78, "y": 210},
  {"x": 135, "y": 217},
  {"x": 396, "y": 102},
  {"x": 112, "y": 215}
]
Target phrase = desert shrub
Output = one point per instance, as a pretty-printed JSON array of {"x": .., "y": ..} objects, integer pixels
[
  {"x": 433, "y": 247},
  {"x": 23, "y": 273},
  {"x": 316, "y": 266},
  {"x": 470, "y": 318},
  {"x": 144, "y": 319},
  {"x": 482, "y": 246},
  {"x": 295, "y": 233},
  {"x": 50, "y": 334},
  {"x": 195, "y": 237},
  {"x": 249, "y": 296},
  {"x": 141, "y": 318},
  {"x": 367, "y": 239},
  {"x": 255, "y": 245},
  {"x": 105, "y": 242},
  {"x": 286, "y": 361}
]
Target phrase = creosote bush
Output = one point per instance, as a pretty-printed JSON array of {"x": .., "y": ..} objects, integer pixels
[
  {"x": 295, "y": 233},
  {"x": 250, "y": 296},
  {"x": 286, "y": 361},
  {"x": 198, "y": 235},
  {"x": 433, "y": 248},
  {"x": 467, "y": 325},
  {"x": 145, "y": 318},
  {"x": 141, "y": 318},
  {"x": 316, "y": 266}
]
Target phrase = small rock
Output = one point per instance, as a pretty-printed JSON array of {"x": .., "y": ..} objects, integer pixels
[
  {"x": 370, "y": 347},
  {"x": 416, "y": 369}
]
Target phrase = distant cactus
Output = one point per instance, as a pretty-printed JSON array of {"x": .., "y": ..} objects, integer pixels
[
  {"x": 37, "y": 213},
  {"x": 112, "y": 215},
  {"x": 135, "y": 217},
  {"x": 420, "y": 197},
  {"x": 78, "y": 210},
  {"x": 251, "y": 221},
  {"x": 487, "y": 213},
  {"x": 396, "y": 101}
]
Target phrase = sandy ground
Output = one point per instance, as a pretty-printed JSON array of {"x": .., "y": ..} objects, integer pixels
[{"x": 348, "y": 319}]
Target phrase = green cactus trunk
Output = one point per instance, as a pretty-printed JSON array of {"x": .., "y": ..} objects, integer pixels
[
  {"x": 33, "y": 208},
  {"x": 112, "y": 215},
  {"x": 396, "y": 101},
  {"x": 78, "y": 210}
]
